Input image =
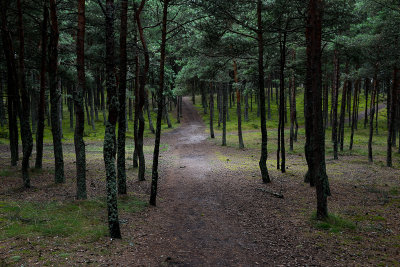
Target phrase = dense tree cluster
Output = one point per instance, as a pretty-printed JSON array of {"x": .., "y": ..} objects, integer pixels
[{"x": 106, "y": 59}]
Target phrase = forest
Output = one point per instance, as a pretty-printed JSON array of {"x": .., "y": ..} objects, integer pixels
[{"x": 199, "y": 133}]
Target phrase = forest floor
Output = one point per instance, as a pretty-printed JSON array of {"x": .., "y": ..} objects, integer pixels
[{"x": 212, "y": 210}]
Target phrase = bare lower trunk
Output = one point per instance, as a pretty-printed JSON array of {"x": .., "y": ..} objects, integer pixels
[
  {"x": 55, "y": 96},
  {"x": 154, "y": 178},
  {"x": 212, "y": 111},
  {"x": 371, "y": 120},
  {"x": 261, "y": 91}
]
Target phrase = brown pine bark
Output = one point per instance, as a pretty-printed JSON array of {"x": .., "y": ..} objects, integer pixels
[
  {"x": 371, "y": 120},
  {"x": 80, "y": 152},
  {"x": 392, "y": 117},
  {"x": 264, "y": 136},
  {"x": 109, "y": 136},
  {"x": 154, "y": 178},
  {"x": 12, "y": 85},
  {"x": 24, "y": 114},
  {"x": 121, "y": 169},
  {"x": 293, "y": 112},
  {"x": 211, "y": 110},
  {"x": 238, "y": 105},
  {"x": 343, "y": 109},
  {"x": 354, "y": 120},
  {"x": 315, "y": 141},
  {"x": 55, "y": 95},
  {"x": 141, "y": 96}
]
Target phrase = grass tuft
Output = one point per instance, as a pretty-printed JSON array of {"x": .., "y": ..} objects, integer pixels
[
  {"x": 334, "y": 223},
  {"x": 76, "y": 220}
]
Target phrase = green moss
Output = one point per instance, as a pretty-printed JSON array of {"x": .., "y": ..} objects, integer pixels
[
  {"x": 5, "y": 173},
  {"x": 334, "y": 223},
  {"x": 75, "y": 220}
]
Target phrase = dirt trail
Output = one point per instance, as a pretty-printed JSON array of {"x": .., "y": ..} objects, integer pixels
[{"x": 208, "y": 215}]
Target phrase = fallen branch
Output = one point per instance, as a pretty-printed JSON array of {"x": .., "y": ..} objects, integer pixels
[{"x": 278, "y": 195}]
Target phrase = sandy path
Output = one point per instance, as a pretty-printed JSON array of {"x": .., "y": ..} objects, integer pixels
[{"x": 208, "y": 215}]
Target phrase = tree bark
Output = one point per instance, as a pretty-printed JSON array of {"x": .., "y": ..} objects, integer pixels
[
  {"x": 224, "y": 112},
  {"x": 109, "y": 137},
  {"x": 293, "y": 111},
  {"x": 12, "y": 86},
  {"x": 42, "y": 97},
  {"x": 154, "y": 178},
  {"x": 264, "y": 137},
  {"x": 366, "y": 84},
  {"x": 282, "y": 104},
  {"x": 371, "y": 120},
  {"x": 80, "y": 150},
  {"x": 343, "y": 110},
  {"x": 238, "y": 106},
  {"x": 314, "y": 120},
  {"x": 211, "y": 111},
  {"x": 141, "y": 97},
  {"x": 137, "y": 73},
  {"x": 392, "y": 117},
  {"x": 147, "y": 107},
  {"x": 55, "y": 95},
  {"x": 121, "y": 168},
  {"x": 24, "y": 114},
  {"x": 354, "y": 121},
  {"x": 335, "y": 94}
]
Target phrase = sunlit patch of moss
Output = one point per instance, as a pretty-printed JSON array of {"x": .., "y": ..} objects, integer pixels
[{"x": 237, "y": 162}]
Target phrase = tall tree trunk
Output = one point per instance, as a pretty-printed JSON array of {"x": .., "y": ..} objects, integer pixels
[
  {"x": 377, "y": 110},
  {"x": 80, "y": 152},
  {"x": 71, "y": 108},
  {"x": 141, "y": 97},
  {"x": 293, "y": 111},
  {"x": 212, "y": 111},
  {"x": 109, "y": 136},
  {"x": 314, "y": 121},
  {"x": 366, "y": 84},
  {"x": 270, "y": 92},
  {"x": 121, "y": 168},
  {"x": 178, "y": 110},
  {"x": 371, "y": 120},
  {"x": 354, "y": 121},
  {"x": 147, "y": 107},
  {"x": 246, "y": 105},
  {"x": 225, "y": 103},
  {"x": 12, "y": 86},
  {"x": 343, "y": 110},
  {"x": 130, "y": 102},
  {"x": 282, "y": 103},
  {"x": 326, "y": 105},
  {"x": 264, "y": 137},
  {"x": 335, "y": 94},
  {"x": 154, "y": 178},
  {"x": 91, "y": 106},
  {"x": 137, "y": 73},
  {"x": 392, "y": 117},
  {"x": 2, "y": 114},
  {"x": 24, "y": 114},
  {"x": 238, "y": 106},
  {"x": 42, "y": 97},
  {"x": 55, "y": 95}
]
